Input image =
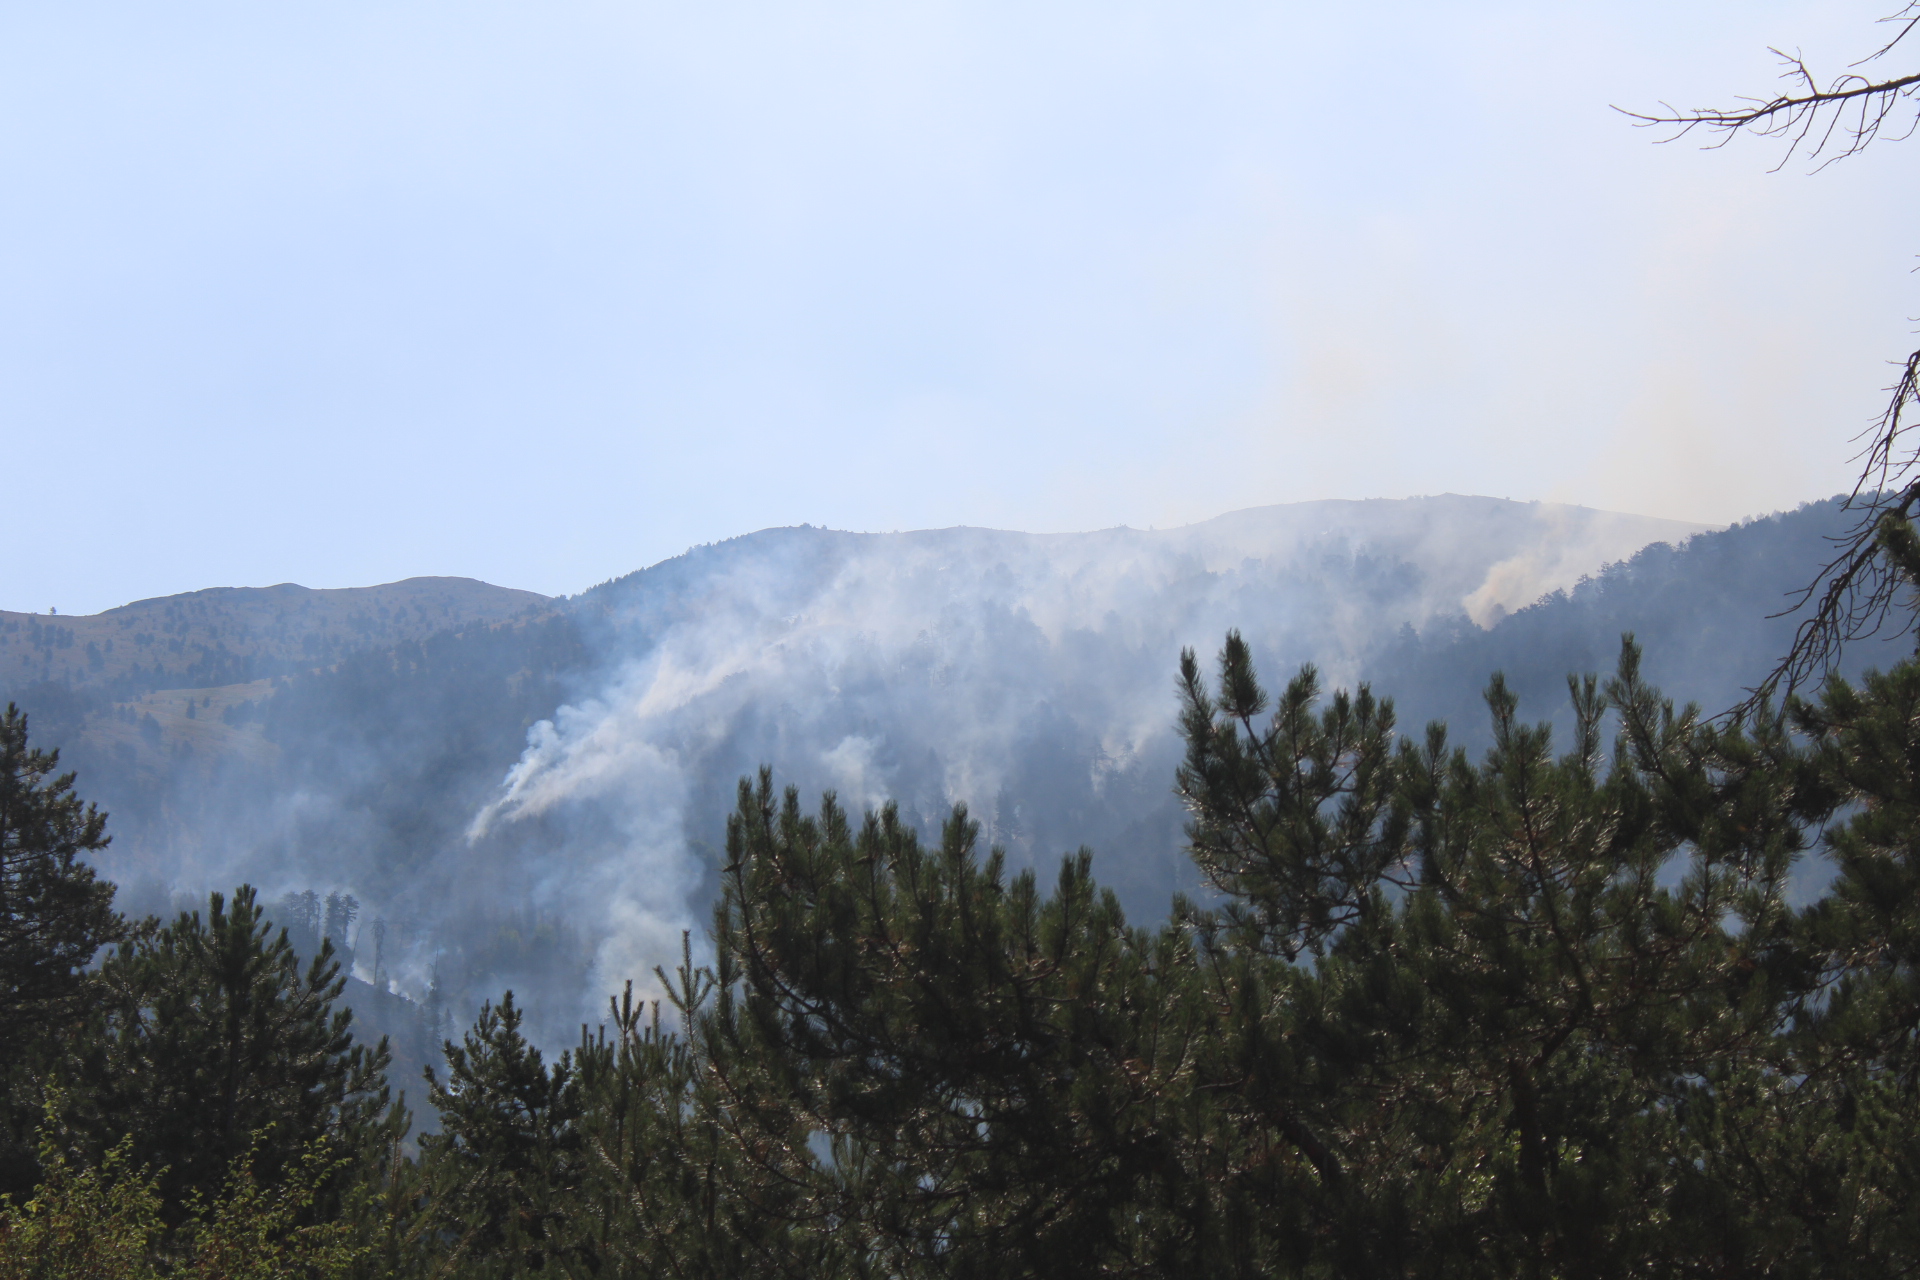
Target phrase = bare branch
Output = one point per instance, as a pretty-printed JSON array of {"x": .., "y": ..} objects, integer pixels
[
  {"x": 1836, "y": 121},
  {"x": 1861, "y": 585},
  {"x": 1874, "y": 565},
  {"x": 1908, "y": 18}
]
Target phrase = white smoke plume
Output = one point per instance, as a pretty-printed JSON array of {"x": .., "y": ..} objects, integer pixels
[{"x": 1028, "y": 676}]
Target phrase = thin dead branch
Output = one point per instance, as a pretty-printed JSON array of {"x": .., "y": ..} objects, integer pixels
[
  {"x": 1855, "y": 592},
  {"x": 1861, "y": 586},
  {"x": 1834, "y": 122}
]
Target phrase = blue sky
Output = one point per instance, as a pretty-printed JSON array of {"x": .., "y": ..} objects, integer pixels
[{"x": 343, "y": 293}]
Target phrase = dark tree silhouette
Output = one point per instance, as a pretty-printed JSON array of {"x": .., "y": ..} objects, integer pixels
[{"x": 55, "y": 913}]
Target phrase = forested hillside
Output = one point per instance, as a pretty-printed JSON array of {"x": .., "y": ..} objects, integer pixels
[
  {"x": 1025, "y": 674},
  {"x": 1714, "y": 614},
  {"x": 1549, "y": 1006},
  {"x": 230, "y": 635},
  {"x": 159, "y": 699}
]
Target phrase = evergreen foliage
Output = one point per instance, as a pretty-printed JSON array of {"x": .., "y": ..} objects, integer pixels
[
  {"x": 55, "y": 913},
  {"x": 508, "y": 1157},
  {"x": 1000, "y": 1075},
  {"x": 215, "y": 1044},
  {"x": 1547, "y": 1012}
]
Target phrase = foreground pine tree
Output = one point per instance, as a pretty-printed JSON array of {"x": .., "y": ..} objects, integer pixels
[
  {"x": 999, "y": 1081},
  {"x": 1544, "y": 1013},
  {"x": 213, "y": 1044},
  {"x": 1538, "y": 982},
  {"x": 509, "y": 1155},
  {"x": 55, "y": 913}
]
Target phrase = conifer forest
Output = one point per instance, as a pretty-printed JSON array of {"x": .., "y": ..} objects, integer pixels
[
  {"x": 1498, "y": 889},
  {"x": 1541, "y": 1011}
]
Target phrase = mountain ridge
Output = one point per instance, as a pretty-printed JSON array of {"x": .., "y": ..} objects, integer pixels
[
  {"x": 576, "y": 759},
  {"x": 219, "y": 636}
]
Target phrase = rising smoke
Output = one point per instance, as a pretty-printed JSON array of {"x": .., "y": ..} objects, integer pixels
[
  {"x": 1029, "y": 677},
  {"x": 539, "y": 802}
]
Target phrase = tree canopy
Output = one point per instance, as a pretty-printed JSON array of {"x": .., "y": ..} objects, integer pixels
[{"x": 1550, "y": 1012}]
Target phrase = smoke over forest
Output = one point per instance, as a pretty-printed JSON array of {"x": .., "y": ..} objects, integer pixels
[{"x": 474, "y": 789}]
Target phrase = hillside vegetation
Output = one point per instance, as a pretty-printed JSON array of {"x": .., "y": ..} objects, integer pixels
[
  {"x": 231, "y": 635},
  {"x": 1025, "y": 675},
  {"x": 1549, "y": 1006}
]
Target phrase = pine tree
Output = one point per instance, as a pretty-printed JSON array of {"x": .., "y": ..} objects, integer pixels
[
  {"x": 216, "y": 1044},
  {"x": 342, "y": 910},
  {"x": 508, "y": 1160},
  {"x": 1002, "y": 1078},
  {"x": 1846, "y": 1107},
  {"x": 696, "y": 1167},
  {"x": 299, "y": 913},
  {"x": 380, "y": 955},
  {"x": 1548, "y": 994},
  {"x": 55, "y": 912}
]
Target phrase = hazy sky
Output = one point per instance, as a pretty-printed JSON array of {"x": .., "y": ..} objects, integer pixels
[{"x": 542, "y": 293}]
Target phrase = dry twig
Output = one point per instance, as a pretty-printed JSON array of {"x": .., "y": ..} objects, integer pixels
[{"x": 1856, "y": 590}]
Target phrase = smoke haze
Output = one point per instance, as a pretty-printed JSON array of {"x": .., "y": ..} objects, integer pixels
[{"x": 537, "y": 801}]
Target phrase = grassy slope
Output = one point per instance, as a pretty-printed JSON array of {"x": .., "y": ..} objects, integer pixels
[{"x": 230, "y": 635}]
